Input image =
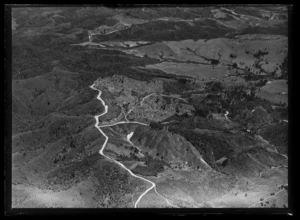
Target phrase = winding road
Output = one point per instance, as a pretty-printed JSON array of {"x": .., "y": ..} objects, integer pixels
[
  {"x": 227, "y": 112},
  {"x": 153, "y": 186}
]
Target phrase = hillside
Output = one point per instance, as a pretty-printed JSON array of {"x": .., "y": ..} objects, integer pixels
[{"x": 161, "y": 107}]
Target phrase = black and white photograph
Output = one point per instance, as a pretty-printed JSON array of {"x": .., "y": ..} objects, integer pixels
[{"x": 149, "y": 106}]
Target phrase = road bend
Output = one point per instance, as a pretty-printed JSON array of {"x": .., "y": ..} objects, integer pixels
[{"x": 153, "y": 186}]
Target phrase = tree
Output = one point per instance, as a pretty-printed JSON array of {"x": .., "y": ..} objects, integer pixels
[
  {"x": 156, "y": 126},
  {"x": 232, "y": 56},
  {"x": 182, "y": 81}
]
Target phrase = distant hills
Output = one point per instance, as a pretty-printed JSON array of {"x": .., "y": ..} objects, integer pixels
[{"x": 210, "y": 83}]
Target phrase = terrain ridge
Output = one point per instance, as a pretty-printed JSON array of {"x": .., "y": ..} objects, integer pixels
[{"x": 105, "y": 142}]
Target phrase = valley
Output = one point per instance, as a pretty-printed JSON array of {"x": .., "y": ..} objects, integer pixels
[{"x": 150, "y": 107}]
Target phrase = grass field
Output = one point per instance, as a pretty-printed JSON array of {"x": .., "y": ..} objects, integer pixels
[{"x": 276, "y": 91}]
